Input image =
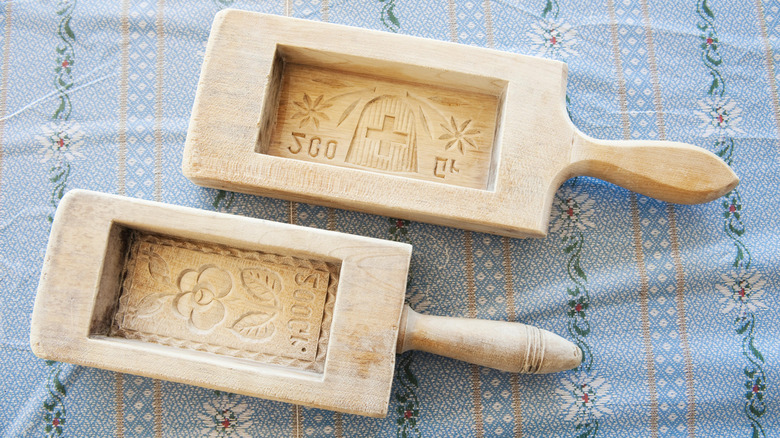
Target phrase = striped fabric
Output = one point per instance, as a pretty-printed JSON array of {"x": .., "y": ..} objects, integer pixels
[{"x": 674, "y": 306}]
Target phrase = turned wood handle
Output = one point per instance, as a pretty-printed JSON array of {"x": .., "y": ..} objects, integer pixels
[
  {"x": 670, "y": 171},
  {"x": 506, "y": 346}
]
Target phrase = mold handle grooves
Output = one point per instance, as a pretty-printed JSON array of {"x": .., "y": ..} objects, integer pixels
[{"x": 506, "y": 346}]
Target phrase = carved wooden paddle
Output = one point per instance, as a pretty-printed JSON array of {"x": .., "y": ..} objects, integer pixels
[
  {"x": 409, "y": 127},
  {"x": 244, "y": 305}
]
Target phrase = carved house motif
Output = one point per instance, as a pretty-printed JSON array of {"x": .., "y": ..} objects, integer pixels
[{"x": 385, "y": 137}]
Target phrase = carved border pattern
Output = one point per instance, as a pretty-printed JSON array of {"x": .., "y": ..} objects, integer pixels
[{"x": 136, "y": 238}]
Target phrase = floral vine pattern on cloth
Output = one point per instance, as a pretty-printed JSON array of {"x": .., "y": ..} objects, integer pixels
[
  {"x": 742, "y": 289},
  {"x": 584, "y": 396},
  {"x": 570, "y": 217},
  {"x": 389, "y": 19},
  {"x": 54, "y": 406},
  {"x": 551, "y": 37},
  {"x": 223, "y": 417},
  {"x": 408, "y": 410},
  {"x": 60, "y": 142},
  {"x": 719, "y": 116},
  {"x": 223, "y": 200}
]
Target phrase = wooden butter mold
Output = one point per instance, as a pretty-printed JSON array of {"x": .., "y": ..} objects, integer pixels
[
  {"x": 408, "y": 127},
  {"x": 243, "y": 305}
]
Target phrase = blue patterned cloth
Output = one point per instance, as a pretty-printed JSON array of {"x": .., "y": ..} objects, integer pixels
[{"x": 674, "y": 306}]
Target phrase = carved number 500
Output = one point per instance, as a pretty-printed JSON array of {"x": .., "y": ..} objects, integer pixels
[{"x": 314, "y": 146}]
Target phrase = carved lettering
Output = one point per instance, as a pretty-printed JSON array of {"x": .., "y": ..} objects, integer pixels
[
  {"x": 300, "y": 310},
  {"x": 438, "y": 169},
  {"x": 303, "y": 295},
  {"x": 329, "y": 151},
  {"x": 299, "y": 327},
  {"x": 299, "y": 333},
  {"x": 314, "y": 146},
  {"x": 296, "y": 341},
  {"x": 298, "y": 137},
  {"x": 442, "y": 166},
  {"x": 300, "y": 279}
]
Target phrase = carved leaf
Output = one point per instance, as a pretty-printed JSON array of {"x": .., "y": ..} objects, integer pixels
[
  {"x": 425, "y": 122},
  {"x": 263, "y": 284},
  {"x": 151, "y": 304},
  {"x": 347, "y": 111},
  {"x": 158, "y": 268},
  {"x": 256, "y": 325}
]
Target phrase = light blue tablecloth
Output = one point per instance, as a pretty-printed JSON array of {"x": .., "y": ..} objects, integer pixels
[{"x": 675, "y": 306}]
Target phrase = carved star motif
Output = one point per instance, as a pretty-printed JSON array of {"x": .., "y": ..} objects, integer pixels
[
  {"x": 458, "y": 135},
  {"x": 311, "y": 111}
]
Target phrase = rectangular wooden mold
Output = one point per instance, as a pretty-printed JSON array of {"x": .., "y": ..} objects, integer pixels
[
  {"x": 225, "y": 302},
  {"x": 408, "y": 127},
  {"x": 313, "y": 112}
]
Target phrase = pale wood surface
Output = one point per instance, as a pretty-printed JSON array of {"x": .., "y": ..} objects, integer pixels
[
  {"x": 82, "y": 314},
  {"x": 243, "y": 305},
  {"x": 507, "y": 346},
  {"x": 665, "y": 170},
  {"x": 256, "y": 68}
]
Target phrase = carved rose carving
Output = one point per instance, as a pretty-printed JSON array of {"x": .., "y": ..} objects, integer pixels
[{"x": 200, "y": 294}]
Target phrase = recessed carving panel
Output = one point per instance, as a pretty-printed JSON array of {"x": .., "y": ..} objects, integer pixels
[
  {"x": 249, "y": 304},
  {"x": 380, "y": 125}
]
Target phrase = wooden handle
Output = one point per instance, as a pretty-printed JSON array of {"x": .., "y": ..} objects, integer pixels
[
  {"x": 506, "y": 346},
  {"x": 669, "y": 171}
]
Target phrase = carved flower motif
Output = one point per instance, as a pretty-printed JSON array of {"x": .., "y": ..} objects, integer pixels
[
  {"x": 571, "y": 212},
  {"x": 584, "y": 396},
  {"x": 742, "y": 290},
  {"x": 719, "y": 115},
  {"x": 458, "y": 135},
  {"x": 201, "y": 291},
  {"x": 224, "y": 417},
  {"x": 311, "y": 111},
  {"x": 61, "y": 141},
  {"x": 553, "y": 38}
]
